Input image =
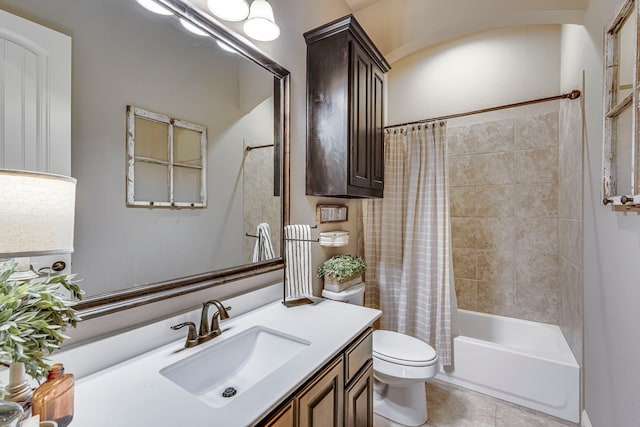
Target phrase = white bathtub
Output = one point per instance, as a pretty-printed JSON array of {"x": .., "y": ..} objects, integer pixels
[{"x": 527, "y": 363}]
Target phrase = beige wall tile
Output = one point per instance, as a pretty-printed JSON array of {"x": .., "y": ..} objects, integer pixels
[
  {"x": 494, "y": 137},
  {"x": 463, "y": 232},
  {"x": 462, "y": 201},
  {"x": 570, "y": 197},
  {"x": 495, "y": 234},
  {"x": 496, "y": 298},
  {"x": 466, "y": 294},
  {"x": 462, "y": 171},
  {"x": 571, "y": 327},
  {"x": 537, "y": 166},
  {"x": 539, "y": 235},
  {"x": 539, "y": 305},
  {"x": 505, "y": 203},
  {"x": 570, "y": 240},
  {"x": 536, "y": 200},
  {"x": 570, "y": 138},
  {"x": 537, "y": 131},
  {"x": 494, "y": 168},
  {"x": 539, "y": 270},
  {"x": 495, "y": 201},
  {"x": 460, "y": 142},
  {"x": 572, "y": 294},
  {"x": 496, "y": 266},
  {"x": 464, "y": 263}
]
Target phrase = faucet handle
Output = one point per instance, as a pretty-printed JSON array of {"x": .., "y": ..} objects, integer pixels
[
  {"x": 192, "y": 337},
  {"x": 223, "y": 314}
]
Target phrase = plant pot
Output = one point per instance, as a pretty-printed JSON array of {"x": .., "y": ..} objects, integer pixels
[
  {"x": 334, "y": 285},
  {"x": 18, "y": 389}
]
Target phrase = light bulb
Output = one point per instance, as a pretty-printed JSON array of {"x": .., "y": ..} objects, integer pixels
[
  {"x": 261, "y": 25},
  {"x": 192, "y": 28},
  {"x": 229, "y": 10},
  {"x": 154, "y": 7}
]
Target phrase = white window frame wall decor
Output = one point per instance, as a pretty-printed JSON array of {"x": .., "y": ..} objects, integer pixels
[
  {"x": 612, "y": 193},
  {"x": 172, "y": 123}
]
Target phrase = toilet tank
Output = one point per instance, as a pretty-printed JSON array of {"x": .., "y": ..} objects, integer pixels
[{"x": 352, "y": 295}]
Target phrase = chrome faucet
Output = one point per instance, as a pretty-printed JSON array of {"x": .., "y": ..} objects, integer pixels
[{"x": 205, "y": 333}]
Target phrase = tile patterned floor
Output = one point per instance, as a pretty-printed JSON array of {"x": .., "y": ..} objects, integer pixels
[{"x": 451, "y": 406}]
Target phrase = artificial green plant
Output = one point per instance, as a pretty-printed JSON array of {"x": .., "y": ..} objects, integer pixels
[
  {"x": 33, "y": 317},
  {"x": 342, "y": 267}
]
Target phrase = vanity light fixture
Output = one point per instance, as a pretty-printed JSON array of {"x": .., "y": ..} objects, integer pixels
[
  {"x": 261, "y": 25},
  {"x": 192, "y": 28},
  {"x": 37, "y": 211},
  {"x": 154, "y": 7},
  {"x": 229, "y": 10}
]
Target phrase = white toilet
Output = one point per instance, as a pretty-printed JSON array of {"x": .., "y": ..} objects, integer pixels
[{"x": 401, "y": 366}]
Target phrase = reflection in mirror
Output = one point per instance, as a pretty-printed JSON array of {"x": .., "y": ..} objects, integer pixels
[
  {"x": 125, "y": 55},
  {"x": 166, "y": 161},
  {"x": 621, "y": 157}
]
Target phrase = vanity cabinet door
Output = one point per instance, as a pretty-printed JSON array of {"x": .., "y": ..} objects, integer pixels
[
  {"x": 285, "y": 417},
  {"x": 358, "y": 406},
  {"x": 321, "y": 403}
]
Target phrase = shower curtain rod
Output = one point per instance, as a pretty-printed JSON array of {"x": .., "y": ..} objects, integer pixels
[{"x": 574, "y": 94}]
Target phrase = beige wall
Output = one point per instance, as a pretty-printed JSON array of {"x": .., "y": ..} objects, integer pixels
[
  {"x": 504, "y": 208},
  {"x": 482, "y": 70}
]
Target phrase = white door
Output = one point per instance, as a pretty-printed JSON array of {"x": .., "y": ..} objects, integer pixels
[
  {"x": 35, "y": 96},
  {"x": 35, "y": 103}
]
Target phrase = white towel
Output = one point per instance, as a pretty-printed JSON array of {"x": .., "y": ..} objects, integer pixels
[
  {"x": 297, "y": 272},
  {"x": 263, "y": 250}
]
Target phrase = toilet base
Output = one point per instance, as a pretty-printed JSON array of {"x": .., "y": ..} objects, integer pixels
[{"x": 404, "y": 405}]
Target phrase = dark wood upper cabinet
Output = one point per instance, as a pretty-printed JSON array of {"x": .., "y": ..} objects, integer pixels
[{"x": 345, "y": 111}]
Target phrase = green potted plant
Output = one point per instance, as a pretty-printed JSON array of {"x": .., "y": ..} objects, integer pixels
[
  {"x": 33, "y": 317},
  {"x": 342, "y": 271}
]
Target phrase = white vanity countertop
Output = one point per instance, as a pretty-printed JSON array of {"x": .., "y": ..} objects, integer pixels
[{"x": 134, "y": 393}]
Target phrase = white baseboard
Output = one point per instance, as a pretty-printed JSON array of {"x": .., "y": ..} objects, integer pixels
[{"x": 584, "y": 420}]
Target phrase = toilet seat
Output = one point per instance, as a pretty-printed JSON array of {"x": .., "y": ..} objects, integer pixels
[{"x": 402, "y": 349}]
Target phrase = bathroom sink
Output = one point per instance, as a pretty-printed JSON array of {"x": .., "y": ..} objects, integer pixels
[{"x": 225, "y": 370}]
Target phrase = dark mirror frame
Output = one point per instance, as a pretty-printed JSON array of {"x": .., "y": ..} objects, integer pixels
[{"x": 121, "y": 300}]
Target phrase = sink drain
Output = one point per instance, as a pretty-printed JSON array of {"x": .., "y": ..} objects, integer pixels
[{"x": 229, "y": 392}]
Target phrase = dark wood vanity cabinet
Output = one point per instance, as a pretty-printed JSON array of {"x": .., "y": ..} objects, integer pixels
[
  {"x": 340, "y": 394},
  {"x": 345, "y": 111}
]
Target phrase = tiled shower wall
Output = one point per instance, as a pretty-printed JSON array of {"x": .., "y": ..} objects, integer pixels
[
  {"x": 259, "y": 203},
  {"x": 570, "y": 225},
  {"x": 503, "y": 178}
]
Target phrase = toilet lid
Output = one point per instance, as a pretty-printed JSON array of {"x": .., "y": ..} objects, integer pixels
[{"x": 402, "y": 349}]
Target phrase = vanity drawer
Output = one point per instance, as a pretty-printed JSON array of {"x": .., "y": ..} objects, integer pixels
[{"x": 358, "y": 354}]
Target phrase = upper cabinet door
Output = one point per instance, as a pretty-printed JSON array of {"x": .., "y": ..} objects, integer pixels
[
  {"x": 377, "y": 128},
  {"x": 359, "y": 156},
  {"x": 35, "y": 97}
]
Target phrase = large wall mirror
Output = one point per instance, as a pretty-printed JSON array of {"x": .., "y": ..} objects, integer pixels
[{"x": 125, "y": 55}]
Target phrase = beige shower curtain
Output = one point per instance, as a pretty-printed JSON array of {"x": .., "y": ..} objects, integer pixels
[{"x": 408, "y": 239}]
